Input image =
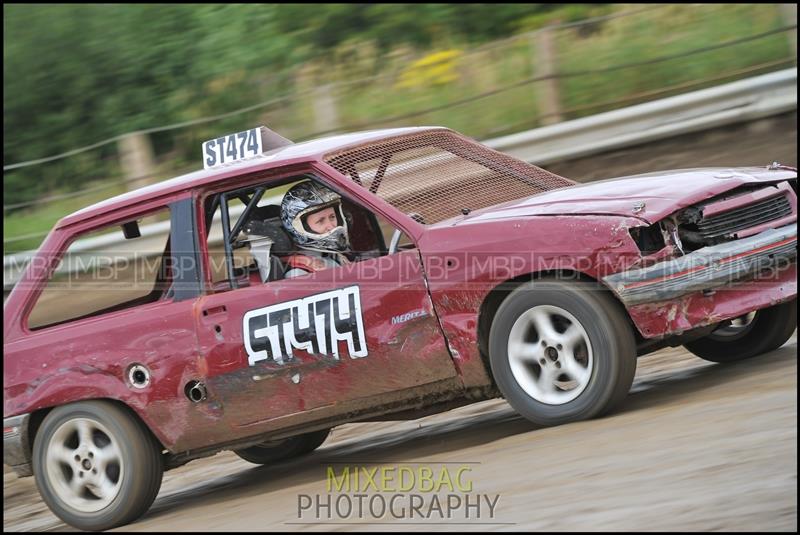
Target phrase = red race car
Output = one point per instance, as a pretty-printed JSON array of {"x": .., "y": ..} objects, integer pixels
[{"x": 289, "y": 288}]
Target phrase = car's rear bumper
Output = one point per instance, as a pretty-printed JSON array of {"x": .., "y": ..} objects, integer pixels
[
  {"x": 711, "y": 284},
  {"x": 16, "y": 447}
]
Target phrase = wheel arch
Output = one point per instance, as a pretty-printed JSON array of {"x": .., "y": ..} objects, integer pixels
[
  {"x": 498, "y": 294},
  {"x": 38, "y": 416}
]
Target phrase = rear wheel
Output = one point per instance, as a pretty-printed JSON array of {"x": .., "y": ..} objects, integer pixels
[
  {"x": 749, "y": 335},
  {"x": 278, "y": 450},
  {"x": 561, "y": 352},
  {"x": 96, "y": 466}
]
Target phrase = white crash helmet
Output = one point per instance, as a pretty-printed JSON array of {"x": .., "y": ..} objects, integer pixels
[{"x": 304, "y": 199}]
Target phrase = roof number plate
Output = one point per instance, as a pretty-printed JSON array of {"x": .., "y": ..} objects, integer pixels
[{"x": 232, "y": 148}]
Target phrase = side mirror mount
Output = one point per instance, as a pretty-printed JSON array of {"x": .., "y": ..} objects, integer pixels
[{"x": 131, "y": 230}]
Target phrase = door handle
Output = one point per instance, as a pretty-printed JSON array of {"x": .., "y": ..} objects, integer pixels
[{"x": 214, "y": 311}]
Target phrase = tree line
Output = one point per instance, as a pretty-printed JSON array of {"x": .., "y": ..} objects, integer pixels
[{"x": 75, "y": 74}]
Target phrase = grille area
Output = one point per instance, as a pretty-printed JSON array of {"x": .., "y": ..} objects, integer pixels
[{"x": 745, "y": 217}]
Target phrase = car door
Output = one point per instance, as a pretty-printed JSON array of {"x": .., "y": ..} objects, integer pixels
[
  {"x": 104, "y": 325},
  {"x": 345, "y": 338}
]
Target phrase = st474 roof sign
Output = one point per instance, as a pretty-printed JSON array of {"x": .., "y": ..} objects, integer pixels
[{"x": 232, "y": 147}]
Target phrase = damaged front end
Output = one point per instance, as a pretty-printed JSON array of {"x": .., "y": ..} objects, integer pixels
[{"x": 713, "y": 261}]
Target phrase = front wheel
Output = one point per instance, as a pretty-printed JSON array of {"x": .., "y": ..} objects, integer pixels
[
  {"x": 750, "y": 335},
  {"x": 95, "y": 465},
  {"x": 278, "y": 450},
  {"x": 561, "y": 352}
]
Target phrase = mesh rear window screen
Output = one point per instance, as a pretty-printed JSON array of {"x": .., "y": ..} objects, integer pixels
[{"x": 437, "y": 173}]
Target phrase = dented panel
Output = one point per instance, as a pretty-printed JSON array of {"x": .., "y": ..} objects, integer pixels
[
  {"x": 395, "y": 332},
  {"x": 91, "y": 358},
  {"x": 464, "y": 266},
  {"x": 698, "y": 309},
  {"x": 651, "y": 196},
  {"x": 265, "y": 363},
  {"x": 706, "y": 268}
]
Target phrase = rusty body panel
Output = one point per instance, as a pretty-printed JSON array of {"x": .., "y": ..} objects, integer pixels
[
  {"x": 585, "y": 229},
  {"x": 90, "y": 359},
  {"x": 421, "y": 308},
  {"x": 461, "y": 278},
  {"x": 707, "y": 268},
  {"x": 662, "y": 194},
  {"x": 698, "y": 309},
  {"x": 263, "y": 397}
]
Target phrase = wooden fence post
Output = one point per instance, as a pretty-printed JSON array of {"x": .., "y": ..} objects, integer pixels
[
  {"x": 544, "y": 62},
  {"x": 325, "y": 115},
  {"x": 136, "y": 157},
  {"x": 789, "y": 12},
  {"x": 309, "y": 81}
]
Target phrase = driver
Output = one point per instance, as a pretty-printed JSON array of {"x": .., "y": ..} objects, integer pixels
[{"x": 313, "y": 217}]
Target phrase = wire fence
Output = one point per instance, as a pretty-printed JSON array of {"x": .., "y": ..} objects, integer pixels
[
  {"x": 93, "y": 189},
  {"x": 492, "y": 48},
  {"x": 360, "y": 81},
  {"x": 535, "y": 79}
]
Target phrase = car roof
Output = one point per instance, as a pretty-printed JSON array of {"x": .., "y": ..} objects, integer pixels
[{"x": 295, "y": 153}]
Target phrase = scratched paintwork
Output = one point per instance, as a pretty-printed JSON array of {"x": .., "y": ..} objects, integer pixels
[{"x": 432, "y": 357}]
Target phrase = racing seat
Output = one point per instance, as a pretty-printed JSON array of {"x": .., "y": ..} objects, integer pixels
[{"x": 267, "y": 241}]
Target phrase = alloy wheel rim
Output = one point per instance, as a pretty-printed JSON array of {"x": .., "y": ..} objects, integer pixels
[
  {"x": 550, "y": 355},
  {"x": 84, "y": 465}
]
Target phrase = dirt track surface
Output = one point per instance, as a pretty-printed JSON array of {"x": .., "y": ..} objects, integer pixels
[{"x": 697, "y": 446}]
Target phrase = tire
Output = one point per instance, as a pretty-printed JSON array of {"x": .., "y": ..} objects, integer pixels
[
  {"x": 766, "y": 330},
  {"x": 582, "y": 320},
  {"x": 278, "y": 450},
  {"x": 95, "y": 465}
]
